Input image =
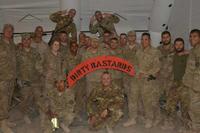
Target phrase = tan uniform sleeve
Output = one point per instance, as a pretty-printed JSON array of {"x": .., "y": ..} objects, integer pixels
[{"x": 55, "y": 17}]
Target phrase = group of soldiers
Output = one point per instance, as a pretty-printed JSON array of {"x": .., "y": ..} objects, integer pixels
[{"x": 165, "y": 88}]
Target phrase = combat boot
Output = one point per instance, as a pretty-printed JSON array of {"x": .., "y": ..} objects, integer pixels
[
  {"x": 5, "y": 128},
  {"x": 130, "y": 122}
]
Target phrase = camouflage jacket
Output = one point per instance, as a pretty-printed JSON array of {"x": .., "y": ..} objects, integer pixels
[
  {"x": 7, "y": 61},
  {"x": 110, "y": 98},
  {"x": 166, "y": 60},
  {"x": 64, "y": 21},
  {"x": 148, "y": 61},
  {"x": 192, "y": 73},
  {"x": 106, "y": 24},
  {"x": 27, "y": 65}
]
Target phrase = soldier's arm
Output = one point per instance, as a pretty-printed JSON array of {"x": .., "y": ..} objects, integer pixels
[
  {"x": 55, "y": 17},
  {"x": 114, "y": 19},
  {"x": 190, "y": 67}
]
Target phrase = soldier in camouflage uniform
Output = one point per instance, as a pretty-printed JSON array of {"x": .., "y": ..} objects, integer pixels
[
  {"x": 93, "y": 51},
  {"x": 131, "y": 83},
  {"x": 38, "y": 43},
  {"x": 7, "y": 75},
  {"x": 28, "y": 68},
  {"x": 178, "y": 93},
  {"x": 165, "y": 74},
  {"x": 149, "y": 66},
  {"x": 64, "y": 43},
  {"x": 83, "y": 48},
  {"x": 103, "y": 22},
  {"x": 70, "y": 62},
  {"x": 105, "y": 104},
  {"x": 192, "y": 81},
  {"x": 64, "y": 21},
  {"x": 115, "y": 51},
  {"x": 53, "y": 71},
  {"x": 61, "y": 106}
]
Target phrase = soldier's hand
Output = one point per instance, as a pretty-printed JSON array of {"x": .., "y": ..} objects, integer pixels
[
  {"x": 92, "y": 19},
  {"x": 104, "y": 113}
]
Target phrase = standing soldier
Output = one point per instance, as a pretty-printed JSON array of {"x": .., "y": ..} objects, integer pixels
[
  {"x": 178, "y": 93},
  {"x": 115, "y": 51},
  {"x": 105, "y": 104},
  {"x": 103, "y": 22},
  {"x": 38, "y": 43},
  {"x": 70, "y": 62},
  {"x": 192, "y": 81},
  {"x": 28, "y": 79},
  {"x": 7, "y": 75},
  {"x": 64, "y": 43},
  {"x": 131, "y": 83},
  {"x": 166, "y": 59},
  {"x": 54, "y": 73},
  {"x": 149, "y": 66},
  {"x": 64, "y": 21},
  {"x": 93, "y": 51}
]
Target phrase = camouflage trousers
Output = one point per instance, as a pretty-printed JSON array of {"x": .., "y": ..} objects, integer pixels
[
  {"x": 111, "y": 120},
  {"x": 30, "y": 93},
  {"x": 165, "y": 85},
  {"x": 150, "y": 98},
  {"x": 133, "y": 98},
  {"x": 6, "y": 92},
  {"x": 80, "y": 96},
  {"x": 178, "y": 95},
  {"x": 64, "y": 109},
  {"x": 194, "y": 110}
]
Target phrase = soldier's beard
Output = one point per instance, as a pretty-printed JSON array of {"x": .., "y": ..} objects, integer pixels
[
  {"x": 179, "y": 50},
  {"x": 167, "y": 43}
]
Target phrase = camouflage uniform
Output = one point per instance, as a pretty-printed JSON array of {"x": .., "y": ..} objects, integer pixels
[
  {"x": 100, "y": 99},
  {"x": 71, "y": 62},
  {"x": 41, "y": 47},
  {"x": 131, "y": 83},
  {"x": 93, "y": 78},
  {"x": 64, "y": 50},
  {"x": 7, "y": 76},
  {"x": 178, "y": 93},
  {"x": 28, "y": 63},
  {"x": 116, "y": 75},
  {"x": 192, "y": 81},
  {"x": 106, "y": 24},
  {"x": 66, "y": 22},
  {"x": 149, "y": 66},
  {"x": 53, "y": 70},
  {"x": 61, "y": 105},
  {"x": 165, "y": 74}
]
